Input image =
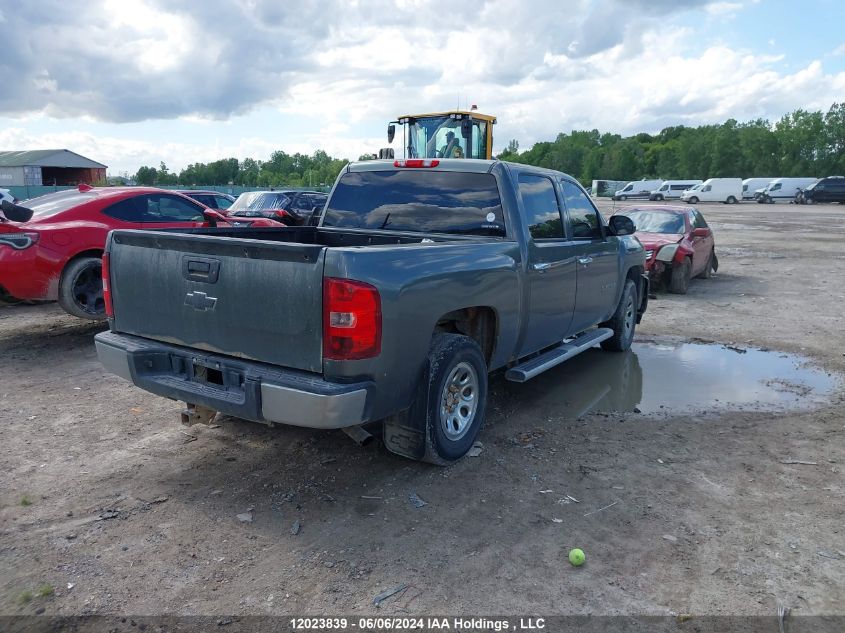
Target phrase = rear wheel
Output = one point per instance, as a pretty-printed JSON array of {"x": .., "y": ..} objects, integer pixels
[
  {"x": 707, "y": 273},
  {"x": 455, "y": 396},
  {"x": 624, "y": 320},
  {"x": 731, "y": 200},
  {"x": 680, "y": 276},
  {"x": 81, "y": 288}
]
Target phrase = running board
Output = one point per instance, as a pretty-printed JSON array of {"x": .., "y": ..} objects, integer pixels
[{"x": 554, "y": 357}]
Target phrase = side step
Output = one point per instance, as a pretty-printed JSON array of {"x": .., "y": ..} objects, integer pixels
[{"x": 565, "y": 351}]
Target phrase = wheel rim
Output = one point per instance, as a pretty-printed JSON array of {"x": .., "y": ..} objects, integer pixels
[
  {"x": 88, "y": 290},
  {"x": 459, "y": 401},
  {"x": 630, "y": 316}
]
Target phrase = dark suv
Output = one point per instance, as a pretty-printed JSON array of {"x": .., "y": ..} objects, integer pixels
[{"x": 830, "y": 189}]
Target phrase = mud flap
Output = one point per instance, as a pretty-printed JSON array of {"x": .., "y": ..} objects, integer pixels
[
  {"x": 406, "y": 433},
  {"x": 646, "y": 289},
  {"x": 402, "y": 438}
]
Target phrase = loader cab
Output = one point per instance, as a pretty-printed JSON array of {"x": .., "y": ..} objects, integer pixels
[{"x": 456, "y": 134}]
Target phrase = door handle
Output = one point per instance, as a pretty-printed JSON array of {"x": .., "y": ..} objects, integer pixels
[
  {"x": 541, "y": 266},
  {"x": 585, "y": 261}
]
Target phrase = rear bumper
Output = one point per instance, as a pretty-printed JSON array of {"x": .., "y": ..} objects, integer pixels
[{"x": 244, "y": 389}]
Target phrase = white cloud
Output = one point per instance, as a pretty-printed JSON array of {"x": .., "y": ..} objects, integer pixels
[
  {"x": 839, "y": 50},
  {"x": 352, "y": 67},
  {"x": 723, "y": 8}
]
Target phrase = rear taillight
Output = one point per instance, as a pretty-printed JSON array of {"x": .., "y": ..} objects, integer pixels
[
  {"x": 18, "y": 241},
  {"x": 416, "y": 162},
  {"x": 351, "y": 320},
  {"x": 107, "y": 287}
]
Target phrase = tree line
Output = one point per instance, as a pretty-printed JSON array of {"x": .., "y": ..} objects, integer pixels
[
  {"x": 801, "y": 143},
  {"x": 290, "y": 170}
]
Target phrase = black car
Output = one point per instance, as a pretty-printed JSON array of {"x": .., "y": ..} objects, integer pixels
[
  {"x": 288, "y": 207},
  {"x": 830, "y": 189},
  {"x": 211, "y": 199}
]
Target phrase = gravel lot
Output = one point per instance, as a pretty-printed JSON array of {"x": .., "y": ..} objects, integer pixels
[{"x": 109, "y": 501}]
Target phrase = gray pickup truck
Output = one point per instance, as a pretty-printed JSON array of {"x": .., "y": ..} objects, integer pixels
[{"x": 419, "y": 278}]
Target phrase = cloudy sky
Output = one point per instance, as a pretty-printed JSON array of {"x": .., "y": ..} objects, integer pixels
[{"x": 132, "y": 82}]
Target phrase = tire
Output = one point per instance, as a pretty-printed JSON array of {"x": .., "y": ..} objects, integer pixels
[
  {"x": 81, "y": 288},
  {"x": 680, "y": 277},
  {"x": 731, "y": 200},
  {"x": 707, "y": 273},
  {"x": 623, "y": 198},
  {"x": 457, "y": 377},
  {"x": 624, "y": 320},
  {"x": 693, "y": 200},
  {"x": 659, "y": 197}
]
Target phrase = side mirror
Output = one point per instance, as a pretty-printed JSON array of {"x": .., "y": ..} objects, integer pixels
[
  {"x": 466, "y": 128},
  {"x": 701, "y": 232},
  {"x": 621, "y": 225},
  {"x": 391, "y": 132},
  {"x": 213, "y": 217}
]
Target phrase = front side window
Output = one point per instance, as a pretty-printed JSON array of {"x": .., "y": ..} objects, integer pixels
[
  {"x": 223, "y": 202},
  {"x": 417, "y": 200},
  {"x": 584, "y": 220},
  {"x": 776, "y": 187},
  {"x": 539, "y": 203},
  {"x": 164, "y": 208}
]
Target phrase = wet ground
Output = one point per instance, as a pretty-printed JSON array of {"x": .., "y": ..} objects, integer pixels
[
  {"x": 671, "y": 377},
  {"x": 109, "y": 505}
]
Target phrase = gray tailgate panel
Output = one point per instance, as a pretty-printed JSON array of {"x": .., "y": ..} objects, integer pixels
[{"x": 237, "y": 297}]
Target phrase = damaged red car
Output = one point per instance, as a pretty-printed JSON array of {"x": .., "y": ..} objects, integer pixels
[
  {"x": 55, "y": 254},
  {"x": 679, "y": 245}
]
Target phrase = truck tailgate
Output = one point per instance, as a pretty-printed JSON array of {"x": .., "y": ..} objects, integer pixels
[{"x": 252, "y": 299}]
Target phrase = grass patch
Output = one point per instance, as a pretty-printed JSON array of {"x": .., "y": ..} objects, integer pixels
[
  {"x": 45, "y": 590},
  {"x": 26, "y": 501},
  {"x": 25, "y": 596}
]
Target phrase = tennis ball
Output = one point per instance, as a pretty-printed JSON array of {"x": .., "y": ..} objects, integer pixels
[{"x": 576, "y": 557}]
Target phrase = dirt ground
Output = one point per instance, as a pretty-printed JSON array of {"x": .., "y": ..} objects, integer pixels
[{"x": 109, "y": 505}]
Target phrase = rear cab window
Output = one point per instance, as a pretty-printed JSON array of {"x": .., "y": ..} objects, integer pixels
[{"x": 419, "y": 201}]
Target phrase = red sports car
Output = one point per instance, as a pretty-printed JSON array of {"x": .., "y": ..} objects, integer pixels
[
  {"x": 679, "y": 245},
  {"x": 56, "y": 254}
]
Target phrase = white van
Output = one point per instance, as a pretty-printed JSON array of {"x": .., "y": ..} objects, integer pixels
[
  {"x": 715, "y": 190},
  {"x": 637, "y": 189},
  {"x": 751, "y": 185},
  {"x": 672, "y": 189},
  {"x": 784, "y": 189}
]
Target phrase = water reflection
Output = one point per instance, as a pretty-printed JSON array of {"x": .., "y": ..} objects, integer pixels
[{"x": 676, "y": 377}]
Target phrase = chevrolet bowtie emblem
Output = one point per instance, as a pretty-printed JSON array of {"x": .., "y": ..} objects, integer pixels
[{"x": 200, "y": 301}]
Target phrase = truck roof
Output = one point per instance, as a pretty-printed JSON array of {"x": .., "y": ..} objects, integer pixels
[{"x": 474, "y": 165}]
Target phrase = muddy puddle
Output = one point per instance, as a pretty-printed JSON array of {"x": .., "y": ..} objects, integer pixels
[{"x": 677, "y": 377}]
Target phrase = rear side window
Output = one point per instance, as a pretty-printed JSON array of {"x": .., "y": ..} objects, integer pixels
[
  {"x": 583, "y": 216},
  {"x": 539, "y": 203},
  {"x": 417, "y": 200},
  {"x": 54, "y": 203},
  {"x": 128, "y": 210},
  {"x": 222, "y": 202}
]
